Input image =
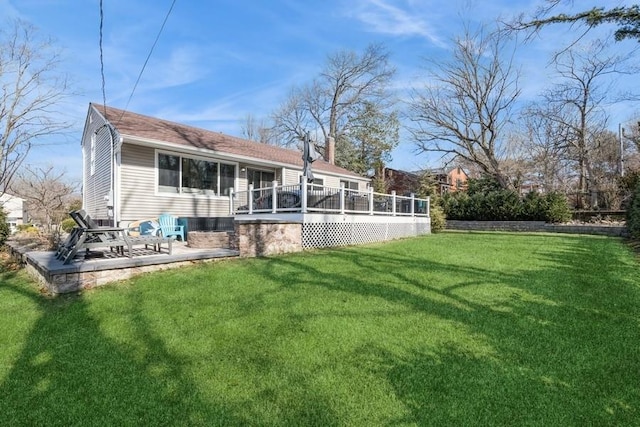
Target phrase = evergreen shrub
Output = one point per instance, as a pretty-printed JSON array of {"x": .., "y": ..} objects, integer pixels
[
  {"x": 67, "y": 224},
  {"x": 633, "y": 214},
  {"x": 485, "y": 201},
  {"x": 5, "y": 230},
  {"x": 438, "y": 220},
  {"x": 556, "y": 208}
]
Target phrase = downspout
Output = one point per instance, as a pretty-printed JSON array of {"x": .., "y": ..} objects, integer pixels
[
  {"x": 111, "y": 199},
  {"x": 112, "y": 191},
  {"x": 115, "y": 188}
]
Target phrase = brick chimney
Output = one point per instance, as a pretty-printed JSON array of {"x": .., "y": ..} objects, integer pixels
[{"x": 330, "y": 150}]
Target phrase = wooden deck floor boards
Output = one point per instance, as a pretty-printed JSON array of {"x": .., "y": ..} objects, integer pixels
[{"x": 112, "y": 261}]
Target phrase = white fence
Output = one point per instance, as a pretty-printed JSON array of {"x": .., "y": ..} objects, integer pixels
[{"x": 311, "y": 198}]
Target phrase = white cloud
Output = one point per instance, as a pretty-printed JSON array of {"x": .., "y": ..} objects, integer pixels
[
  {"x": 382, "y": 17},
  {"x": 182, "y": 65}
]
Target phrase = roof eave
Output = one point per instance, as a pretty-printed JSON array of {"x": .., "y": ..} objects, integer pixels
[{"x": 171, "y": 146}]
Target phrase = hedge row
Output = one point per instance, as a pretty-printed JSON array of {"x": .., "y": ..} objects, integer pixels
[{"x": 506, "y": 205}]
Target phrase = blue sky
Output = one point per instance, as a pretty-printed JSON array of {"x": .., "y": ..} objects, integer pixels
[{"x": 217, "y": 61}]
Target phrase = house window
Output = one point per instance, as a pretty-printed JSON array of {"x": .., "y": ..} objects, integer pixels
[
  {"x": 260, "y": 179},
  {"x": 318, "y": 181},
  {"x": 349, "y": 185},
  {"x": 188, "y": 175},
  {"x": 227, "y": 178},
  {"x": 168, "y": 173},
  {"x": 199, "y": 176}
]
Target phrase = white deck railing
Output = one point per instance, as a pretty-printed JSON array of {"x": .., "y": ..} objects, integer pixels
[{"x": 308, "y": 198}]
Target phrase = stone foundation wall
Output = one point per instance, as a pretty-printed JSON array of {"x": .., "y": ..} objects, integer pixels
[
  {"x": 605, "y": 230},
  {"x": 266, "y": 237},
  {"x": 209, "y": 239}
]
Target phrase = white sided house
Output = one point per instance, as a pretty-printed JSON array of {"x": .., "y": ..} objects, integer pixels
[
  {"x": 13, "y": 207},
  {"x": 136, "y": 167}
]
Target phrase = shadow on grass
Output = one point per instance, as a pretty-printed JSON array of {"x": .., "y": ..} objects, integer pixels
[
  {"x": 70, "y": 373},
  {"x": 550, "y": 343},
  {"x": 563, "y": 337}
]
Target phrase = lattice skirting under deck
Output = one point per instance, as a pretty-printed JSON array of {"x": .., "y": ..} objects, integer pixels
[{"x": 327, "y": 234}]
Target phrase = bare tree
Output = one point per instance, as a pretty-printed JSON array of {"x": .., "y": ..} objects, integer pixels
[
  {"x": 629, "y": 149},
  {"x": 255, "y": 130},
  {"x": 324, "y": 107},
  {"x": 577, "y": 104},
  {"x": 30, "y": 88},
  {"x": 544, "y": 142},
  {"x": 463, "y": 110},
  {"x": 604, "y": 172},
  {"x": 292, "y": 119},
  {"x": 631, "y": 134},
  {"x": 46, "y": 192}
]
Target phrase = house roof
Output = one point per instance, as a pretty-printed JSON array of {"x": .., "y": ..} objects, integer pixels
[{"x": 140, "y": 126}]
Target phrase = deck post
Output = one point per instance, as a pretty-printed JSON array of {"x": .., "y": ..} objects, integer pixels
[
  {"x": 413, "y": 204},
  {"x": 370, "y": 200},
  {"x": 274, "y": 196},
  {"x": 250, "y": 201},
  {"x": 393, "y": 204},
  {"x": 342, "y": 198},
  {"x": 231, "y": 196},
  {"x": 304, "y": 192}
]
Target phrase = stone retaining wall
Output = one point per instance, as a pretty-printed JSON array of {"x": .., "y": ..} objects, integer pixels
[
  {"x": 209, "y": 239},
  {"x": 65, "y": 282},
  {"x": 539, "y": 226},
  {"x": 266, "y": 237}
]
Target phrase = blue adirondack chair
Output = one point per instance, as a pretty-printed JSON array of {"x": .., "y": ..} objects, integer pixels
[{"x": 169, "y": 226}]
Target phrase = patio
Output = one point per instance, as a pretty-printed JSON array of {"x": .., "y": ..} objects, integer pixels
[{"x": 57, "y": 277}]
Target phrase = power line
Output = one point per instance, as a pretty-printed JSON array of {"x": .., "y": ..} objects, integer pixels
[
  {"x": 146, "y": 60},
  {"x": 104, "y": 95}
]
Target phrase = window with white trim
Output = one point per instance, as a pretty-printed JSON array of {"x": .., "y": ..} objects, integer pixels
[
  {"x": 349, "y": 185},
  {"x": 260, "y": 178},
  {"x": 177, "y": 174}
]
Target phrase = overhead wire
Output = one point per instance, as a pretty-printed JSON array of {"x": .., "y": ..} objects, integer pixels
[
  {"x": 104, "y": 95},
  {"x": 147, "y": 60}
]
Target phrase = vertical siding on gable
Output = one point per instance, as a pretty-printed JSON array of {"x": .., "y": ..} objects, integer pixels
[
  {"x": 139, "y": 198},
  {"x": 97, "y": 186}
]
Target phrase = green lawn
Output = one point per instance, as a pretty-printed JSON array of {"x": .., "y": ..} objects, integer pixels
[{"x": 449, "y": 329}]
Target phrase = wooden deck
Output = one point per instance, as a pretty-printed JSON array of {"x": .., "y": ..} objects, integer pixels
[{"x": 57, "y": 277}]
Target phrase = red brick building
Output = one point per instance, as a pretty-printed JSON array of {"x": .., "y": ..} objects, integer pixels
[{"x": 448, "y": 181}]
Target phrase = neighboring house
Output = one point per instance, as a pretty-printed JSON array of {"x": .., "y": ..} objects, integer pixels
[
  {"x": 450, "y": 180},
  {"x": 14, "y": 208},
  {"x": 457, "y": 179},
  {"x": 402, "y": 182},
  {"x": 136, "y": 167},
  {"x": 447, "y": 181}
]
